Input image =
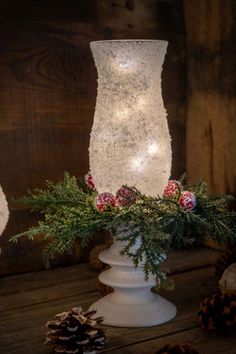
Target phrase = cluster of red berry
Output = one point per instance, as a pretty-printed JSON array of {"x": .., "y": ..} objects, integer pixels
[
  {"x": 186, "y": 199},
  {"x": 124, "y": 196}
]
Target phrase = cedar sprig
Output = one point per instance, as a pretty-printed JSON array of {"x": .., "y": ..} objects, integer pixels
[{"x": 157, "y": 223}]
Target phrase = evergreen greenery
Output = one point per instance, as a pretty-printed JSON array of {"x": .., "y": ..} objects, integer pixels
[{"x": 158, "y": 223}]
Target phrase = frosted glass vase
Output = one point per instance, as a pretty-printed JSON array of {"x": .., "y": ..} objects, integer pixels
[
  {"x": 130, "y": 144},
  {"x": 130, "y": 141}
]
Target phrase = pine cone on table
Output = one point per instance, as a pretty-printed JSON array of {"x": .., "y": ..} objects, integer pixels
[
  {"x": 227, "y": 257},
  {"x": 103, "y": 288},
  {"x": 75, "y": 332},
  {"x": 227, "y": 282},
  {"x": 177, "y": 349},
  {"x": 218, "y": 313},
  {"x": 94, "y": 261}
]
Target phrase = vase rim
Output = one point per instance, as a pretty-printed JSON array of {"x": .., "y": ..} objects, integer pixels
[{"x": 129, "y": 40}]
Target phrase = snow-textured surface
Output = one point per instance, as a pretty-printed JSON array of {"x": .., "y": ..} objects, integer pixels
[
  {"x": 228, "y": 279},
  {"x": 130, "y": 142},
  {"x": 4, "y": 212}
]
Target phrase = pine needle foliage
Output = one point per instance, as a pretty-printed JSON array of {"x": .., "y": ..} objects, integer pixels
[{"x": 156, "y": 224}]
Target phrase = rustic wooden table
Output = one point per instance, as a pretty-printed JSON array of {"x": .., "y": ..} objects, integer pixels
[{"x": 27, "y": 301}]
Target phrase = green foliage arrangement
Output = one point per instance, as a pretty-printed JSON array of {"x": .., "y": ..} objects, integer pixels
[{"x": 73, "y": 210}]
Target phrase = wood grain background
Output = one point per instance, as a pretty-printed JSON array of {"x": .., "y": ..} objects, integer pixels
[
  {"x": 211, "y": 70},
  {"x": 48, "y": 92}
]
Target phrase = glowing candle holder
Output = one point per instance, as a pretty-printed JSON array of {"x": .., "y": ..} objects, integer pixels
[
  {"x": 130, "y": 144},
  {"x": 130, "y": 141}
]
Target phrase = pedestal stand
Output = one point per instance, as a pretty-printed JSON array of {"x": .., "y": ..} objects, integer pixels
[{"x": 132, "y": 304}]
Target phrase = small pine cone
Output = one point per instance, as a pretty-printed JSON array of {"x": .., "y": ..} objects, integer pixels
[
  {"x": 177, "y": 349},
  {"x": 94, "y": 261},
  {"x": 226, "y": 259},
  {"x": 103, "y": 288},
  {"x": 109, "y": 240},
  {"x": 218, "y": 313},
  {"x": 75, "y": 332},
  {"x": 227, "y": 282}
]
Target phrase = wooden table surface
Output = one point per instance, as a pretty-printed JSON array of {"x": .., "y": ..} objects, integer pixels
[{"x": 29, "y": 300}]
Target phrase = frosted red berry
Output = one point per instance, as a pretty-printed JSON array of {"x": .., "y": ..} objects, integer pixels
[
  {"x": 125, "y": 196},
  {"x": 187, "y": 200},
  {"x": 105, "y": 199},
  {"x": 89, "y": 181},
  {"x": 173, "y": 187}
]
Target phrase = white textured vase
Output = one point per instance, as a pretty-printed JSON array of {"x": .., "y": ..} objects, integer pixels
[
  {"x": 130, "y": 141},
  {"x": 130, "y": 145}
]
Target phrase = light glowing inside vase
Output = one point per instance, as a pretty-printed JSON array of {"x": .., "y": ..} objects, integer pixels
[{"x": 130, "y": 141}]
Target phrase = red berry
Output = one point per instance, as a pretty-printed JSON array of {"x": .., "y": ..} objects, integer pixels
[
  {"x": 173, "y": 187},
  {"x": 187, "y": 200},
  {"x": 124, "y": 196},
  {"x": 105, "y": 199},
  {"x": 89, "y": 181}
]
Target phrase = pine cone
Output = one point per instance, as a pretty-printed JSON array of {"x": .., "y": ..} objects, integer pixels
[
  {"x": 103, "y": 288},
  {"x": 94, "y": 261},
  {"x": 75, "y": 332},
  {"x": 227, "y": 282},
  {"x": 218, "y": 313},
  {"x": 226, "y": 259},
  {"x": 109, "y": 239},
  {"x": 177, "y": 349}
]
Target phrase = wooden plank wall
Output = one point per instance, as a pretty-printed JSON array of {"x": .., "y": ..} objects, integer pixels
[
  {"x": 211, "y": 70},
  {"x": 48, "y": 91}
]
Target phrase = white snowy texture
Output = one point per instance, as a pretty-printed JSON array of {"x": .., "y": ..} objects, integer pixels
[
  {"x": 130, "y": 142},
  {"x": 4, "y": 212},
  {"x": 228, "y": 279}
]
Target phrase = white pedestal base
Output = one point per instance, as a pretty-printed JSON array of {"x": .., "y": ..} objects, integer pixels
[
  {"x": 146, "y": 314},
  {"x": 132, "y": 304}
]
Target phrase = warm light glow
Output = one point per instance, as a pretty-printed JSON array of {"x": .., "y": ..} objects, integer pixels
[
  {"x": 130, "y": 142},
  {"x": 123, "y": 64},
  {"x": 141, "y": 102},
  {"x": 153, "y": 148},
  {"x": 121, "y": 114},
  {"x": 137, "y": 163}
]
